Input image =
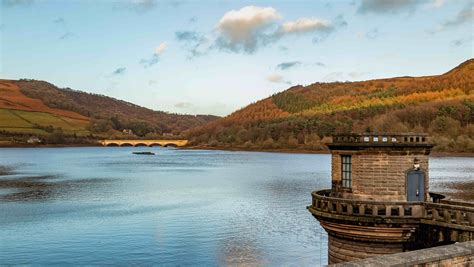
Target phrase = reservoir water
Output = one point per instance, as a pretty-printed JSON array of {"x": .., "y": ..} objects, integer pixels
[{"x": 95, "y": 206}]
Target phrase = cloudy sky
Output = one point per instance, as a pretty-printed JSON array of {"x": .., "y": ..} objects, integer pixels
[{"x": 213, "y": 57}]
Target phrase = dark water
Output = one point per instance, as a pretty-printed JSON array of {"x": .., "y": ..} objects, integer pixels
[{"x": 179, "y": 207}]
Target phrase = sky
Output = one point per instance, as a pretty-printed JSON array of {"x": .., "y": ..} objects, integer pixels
[{"x": 214, "y": 57}]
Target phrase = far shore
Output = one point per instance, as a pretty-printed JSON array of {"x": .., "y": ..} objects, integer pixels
[
  {"x": 287, "y": 150},
  {"x": 46, "y": 145}
]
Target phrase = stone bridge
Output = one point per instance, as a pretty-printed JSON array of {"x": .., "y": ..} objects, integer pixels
[{"x": 150, "y": 143}]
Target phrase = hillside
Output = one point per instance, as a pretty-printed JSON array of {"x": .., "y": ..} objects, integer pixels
[
  {"x": 21, "y": 114},
  {"x": 303, "y": 117},
  {"x": 36, "y": 107}
]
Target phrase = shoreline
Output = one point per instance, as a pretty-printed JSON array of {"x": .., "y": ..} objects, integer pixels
[
  {"x": 273, "y": 150},
  {"x": 46, "y": 146}
]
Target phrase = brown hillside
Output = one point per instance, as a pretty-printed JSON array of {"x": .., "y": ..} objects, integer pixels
[{"x": 12, "y": 98}]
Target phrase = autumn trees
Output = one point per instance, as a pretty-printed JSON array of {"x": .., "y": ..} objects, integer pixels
[{"x": 303, "y": 116}]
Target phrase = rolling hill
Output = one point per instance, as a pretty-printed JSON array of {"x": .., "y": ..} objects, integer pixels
[
  {"x": 21, "y": 114},
  {"x": 303, "y": 117},
  {"x": 30, "y": 107}
]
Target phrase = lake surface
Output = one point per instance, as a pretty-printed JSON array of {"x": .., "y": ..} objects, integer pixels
[{"x": 179, "y": 207}]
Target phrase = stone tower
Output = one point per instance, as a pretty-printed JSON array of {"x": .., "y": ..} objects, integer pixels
[
  {"x": 381, "y": 168},
  {"x": 379, "y": 185}
]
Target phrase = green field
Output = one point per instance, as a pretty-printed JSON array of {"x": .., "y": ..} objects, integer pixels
[{"x": 19, "y": 121}]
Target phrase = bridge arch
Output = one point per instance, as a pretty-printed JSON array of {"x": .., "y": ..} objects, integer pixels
[
  {"x": 112, "y": 144},
  {"x": 126, "y": 144},
  {"x": 170, "y": 145},
  {"x": 140, "y": 144},
  {"x": 154, "y": 144}
]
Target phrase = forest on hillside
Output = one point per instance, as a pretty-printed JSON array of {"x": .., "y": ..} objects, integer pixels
[
  {"x": 109, "y": 116},
  {"x": 304, "y": 117}
]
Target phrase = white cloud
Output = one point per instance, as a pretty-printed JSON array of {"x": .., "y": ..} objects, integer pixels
[
  {"x": 155, "y": 57},
  {"x": 244, "y": 29},
  {"x": 304, "y": 25},
  {"x": 185, "y": 105},
  {"x": 240, "y": 24},
  {"x": 161, "y": 48},
  {"x": 276, "y": 78},
  {"x": 251, "y": 27}
]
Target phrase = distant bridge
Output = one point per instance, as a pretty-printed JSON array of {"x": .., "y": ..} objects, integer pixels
[{"x": 150, "y": 143}]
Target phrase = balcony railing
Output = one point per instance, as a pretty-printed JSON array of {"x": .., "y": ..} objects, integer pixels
[
  {"x": 451, "y": 214},
  {"x": 323, "y": 202}
]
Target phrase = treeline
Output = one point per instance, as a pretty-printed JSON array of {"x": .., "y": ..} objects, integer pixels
[
  {"x": 449, "y": 123},
  {"x": 55, "y": 137},
  {"x": 305, "y": 117}
]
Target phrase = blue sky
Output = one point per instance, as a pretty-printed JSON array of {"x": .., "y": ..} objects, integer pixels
[{"x": 213, "y": 57}]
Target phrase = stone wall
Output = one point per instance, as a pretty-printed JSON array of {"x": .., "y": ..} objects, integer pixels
[
  {"x": 377, "y": 175},
  {"x": 459, "y": 254},
  {"x": 342, "y": 250}
]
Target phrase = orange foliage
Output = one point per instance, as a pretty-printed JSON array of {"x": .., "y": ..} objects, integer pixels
[
  {"x": 357, "y": 102},
  {"x": 261, "y": 110},
  {"x": 301, "y": 115}
]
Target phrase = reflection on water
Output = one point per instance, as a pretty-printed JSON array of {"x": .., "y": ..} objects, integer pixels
[
  {"x": 45, "y": 187},
  {"x": 241, "y": 251},
  {"x": 179, "y": 207}
]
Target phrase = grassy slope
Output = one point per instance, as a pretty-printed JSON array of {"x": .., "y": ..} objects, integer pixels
[
  {"x": 21, "y": 114},
  {"x": 11, "y": 97},
  {"x": 19, "y": 121}
]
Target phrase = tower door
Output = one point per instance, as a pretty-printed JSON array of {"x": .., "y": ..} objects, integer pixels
[{"x": 416, "y": 185}]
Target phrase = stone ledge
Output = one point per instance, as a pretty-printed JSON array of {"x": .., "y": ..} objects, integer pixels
[{"x": 422, "y": 256}]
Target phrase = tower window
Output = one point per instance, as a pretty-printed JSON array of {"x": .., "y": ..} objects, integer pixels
[{"x": 346, "y": 167}]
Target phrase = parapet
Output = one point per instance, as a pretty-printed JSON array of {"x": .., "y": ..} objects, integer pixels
[
  {"x": 459, "y": 254},
  {"x": 380, "y": 140}
]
